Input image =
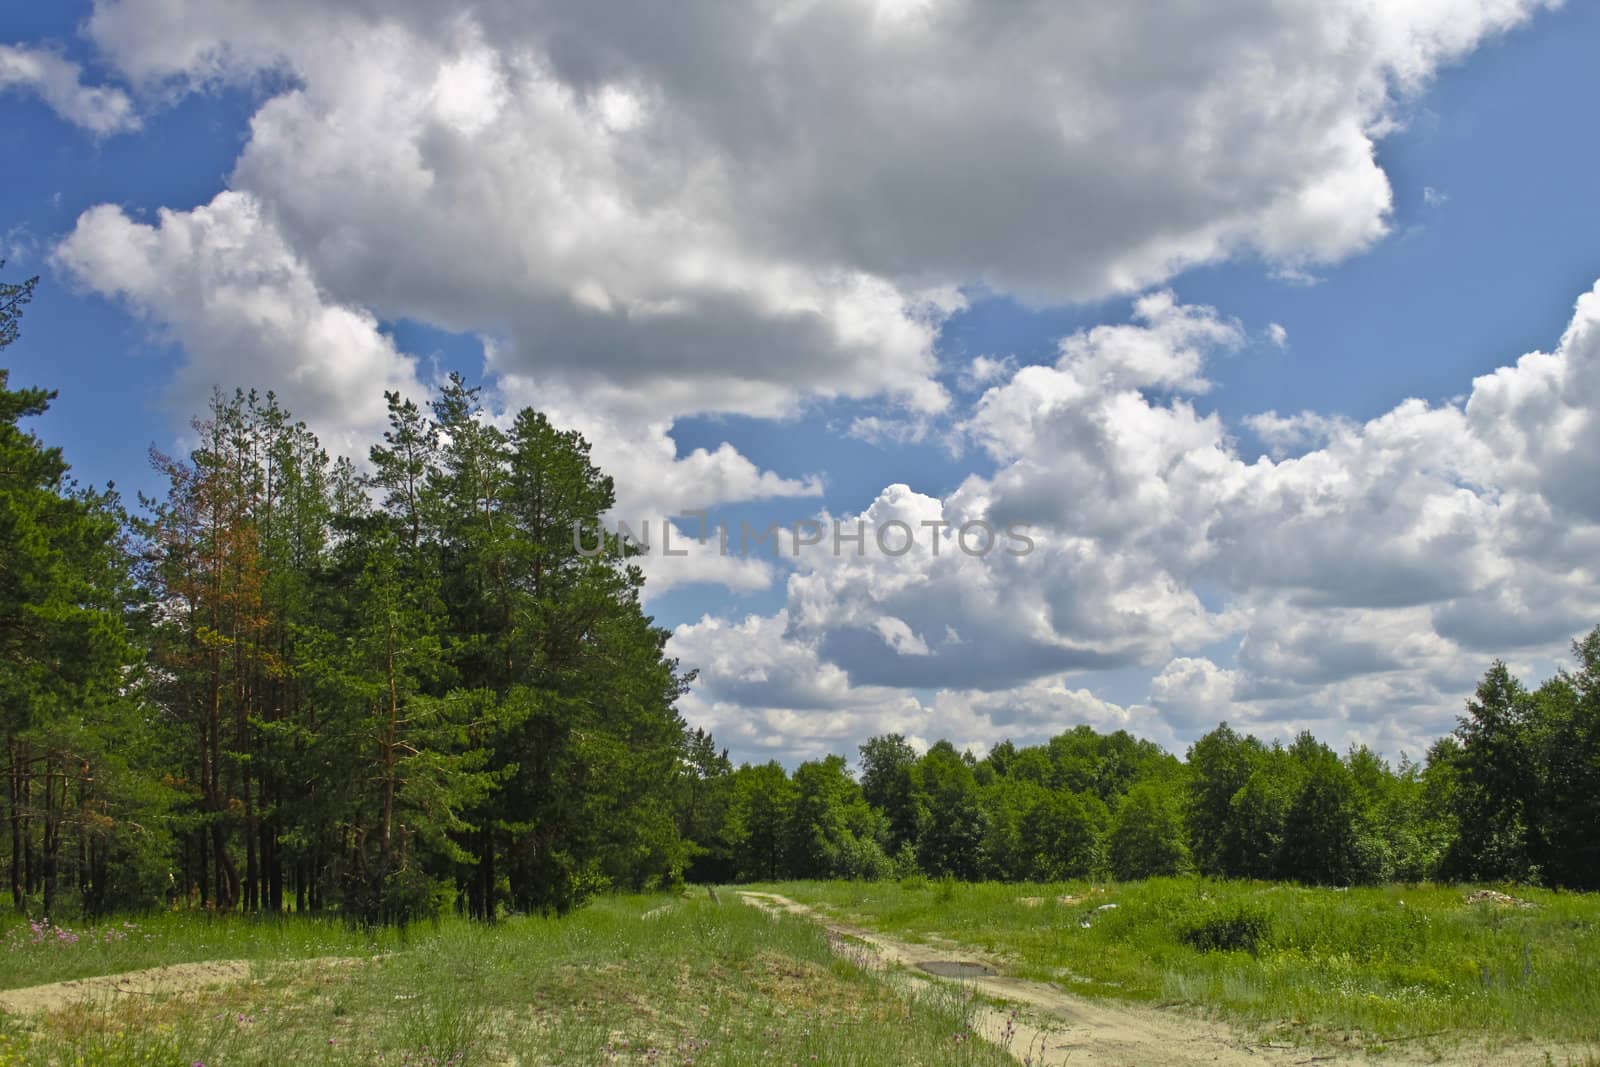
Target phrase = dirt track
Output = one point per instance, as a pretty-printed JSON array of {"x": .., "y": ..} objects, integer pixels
[
  {"x": 1053, "y": 1027},
  {"x": 157, "y": 981}
]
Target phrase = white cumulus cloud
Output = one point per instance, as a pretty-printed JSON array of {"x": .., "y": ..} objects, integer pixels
[
  {"x": 651, "y": 212},
  {"x": 738, "y": 209},
  {"x": 59, "y": 83},
  {"x": 1356, "y": 588}
]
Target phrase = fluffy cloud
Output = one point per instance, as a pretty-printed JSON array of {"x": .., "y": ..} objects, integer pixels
[
  {"x": 1105, "y": 485},
  {"x": 693, "y": 562},
  {"x": 59, "y": 83},
  {"x": 222, "y": 282},
  {"x": 735, "y": 210},
  {"x": 1354, "y": 588},
  {"x": 650, "y": 212},
  {"x": 767, "y": 693},
  {"x": 634, "y": 445},
  {"x": 575, "y": 221},
  {"x": 1036, "y": 712},
  {"x": 1194, "y": 692}
]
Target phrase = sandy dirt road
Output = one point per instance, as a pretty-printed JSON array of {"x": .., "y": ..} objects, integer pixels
[
  {"x": 1050, "y": 1027},
  {"x": 156, "y": 981}
]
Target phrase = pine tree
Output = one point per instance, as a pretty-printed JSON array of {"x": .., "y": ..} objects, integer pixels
[{"x": 67, "y": 662}]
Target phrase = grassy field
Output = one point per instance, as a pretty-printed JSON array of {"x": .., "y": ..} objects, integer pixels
[
  {"x": 656, "y": 980},
  {"x": 33, "y": 953},
  {"x": 1392, "y": 964},
  {"x": 674, "y": 980}
]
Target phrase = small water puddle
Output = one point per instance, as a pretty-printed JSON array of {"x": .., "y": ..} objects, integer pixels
[{"x": 956, "y": 969}]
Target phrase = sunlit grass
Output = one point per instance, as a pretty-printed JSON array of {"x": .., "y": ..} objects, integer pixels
[
  {"x": 667, "y": 980},
  {"x": 33, "y": 954},
  {"x": 1392, "y": 963},
  {"x": 692, "y": 983}
]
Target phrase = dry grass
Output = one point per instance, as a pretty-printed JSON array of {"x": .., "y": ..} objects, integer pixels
[{"x": 692, "y": 984}]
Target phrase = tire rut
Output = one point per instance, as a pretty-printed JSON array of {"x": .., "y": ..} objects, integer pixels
[{"x": 1058, "y": 1027}]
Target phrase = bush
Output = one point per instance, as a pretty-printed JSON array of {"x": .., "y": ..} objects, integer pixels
[
  {"x": 1240, "y": 930},
  {"x": 906, "y": 869},
  {"x": 861, "y": 860}
]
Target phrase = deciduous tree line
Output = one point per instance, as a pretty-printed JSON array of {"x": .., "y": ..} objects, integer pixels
[
  {"x": 1513, "y": 794},
  {"x": 286, "y": 684}
]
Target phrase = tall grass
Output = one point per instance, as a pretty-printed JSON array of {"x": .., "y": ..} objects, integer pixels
[
  {"x": 1390, "y": 962},
  {"x": 36, "y": 953},
  {"x": 692, "y": 983}
]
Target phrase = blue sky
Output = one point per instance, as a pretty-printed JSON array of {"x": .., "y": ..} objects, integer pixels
[{"x": 597, "y": 230}]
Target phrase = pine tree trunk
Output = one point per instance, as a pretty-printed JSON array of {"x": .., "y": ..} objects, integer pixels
[
  {"x": 252, "y": 867},
  {"x": 271, "y": 869},
  {"x": 203, "y": 855},
  {"x": 19, "y": 846},
  {"x": 51, "y": 836},
  {"x": 30, "y": 869},
  {"x": 390, "y": 742},
  {"x": 227, "y": 873},
  {"x": 85, "y": 888},
  {"x": 98, "y": 865},
  {"x": 483, "y": 903},
  {"x": 314, "y": 880}
]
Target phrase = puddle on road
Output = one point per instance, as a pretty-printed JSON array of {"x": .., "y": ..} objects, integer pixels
[{"x": 956, "y": 969}]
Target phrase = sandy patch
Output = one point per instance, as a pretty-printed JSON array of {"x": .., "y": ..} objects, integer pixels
[
  {"x": 174, "y": 980},
  {"x": 1049, "y": 1027}
]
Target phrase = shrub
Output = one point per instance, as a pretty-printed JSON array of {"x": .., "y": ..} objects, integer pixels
[{"x": 1239, "y": 930}]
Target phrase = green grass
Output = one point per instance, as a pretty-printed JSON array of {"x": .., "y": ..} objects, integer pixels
[
  {"x": 80, "y": 950},
  {"x": 664, "y": 980},
  {"x": 1392, "y": 963},
  {"x": 626, "y": 980}
]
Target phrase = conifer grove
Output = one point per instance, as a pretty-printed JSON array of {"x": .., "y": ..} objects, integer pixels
[{"x": 294, "y": 683}]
